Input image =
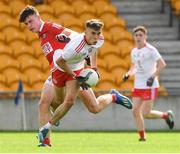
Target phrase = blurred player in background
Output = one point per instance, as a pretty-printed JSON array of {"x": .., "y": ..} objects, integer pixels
[
  {"x": 65, "y": 74},
  {"x": 147, "y": 64}
]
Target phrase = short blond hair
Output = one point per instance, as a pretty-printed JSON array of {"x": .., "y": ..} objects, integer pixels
[{"x": 140, "y": 28}]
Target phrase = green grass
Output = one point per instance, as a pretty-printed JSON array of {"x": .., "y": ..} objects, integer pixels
[{"x": 91, "y": 142}]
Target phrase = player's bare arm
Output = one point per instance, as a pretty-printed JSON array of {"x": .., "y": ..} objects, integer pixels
[
  {"x": 161, "y": 64},
  {"x": 131, "y": 70},
  {"x": 63, "y": 65},
  {"x": 93, "y": 60}
]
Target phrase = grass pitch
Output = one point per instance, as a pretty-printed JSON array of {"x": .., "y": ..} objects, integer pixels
[{"x": 91, "y": 142}]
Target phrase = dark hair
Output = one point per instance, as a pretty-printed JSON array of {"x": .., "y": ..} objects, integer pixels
[
  {"x": 28, "y": 10},
  {"x": 94, "y": 24},
  {"x": 140, "y": 28}
]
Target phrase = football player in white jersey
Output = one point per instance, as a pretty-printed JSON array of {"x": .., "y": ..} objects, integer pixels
[
  {"x": 147, "y": 63},
  {"x": 55, "y": 39},
  {"x": 68, "y": 63}
]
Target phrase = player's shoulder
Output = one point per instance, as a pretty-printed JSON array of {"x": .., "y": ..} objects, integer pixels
[
  {"x": 77, "y": 37},
  {"x": 150, "y": 47},
  {"x": 71, "y": 33},
  {"x": 76, "y": 42},
  {"x": 134, "y": 49},
  {"x": 52, "y": 25},
  {"x": 58, "y": 26}
]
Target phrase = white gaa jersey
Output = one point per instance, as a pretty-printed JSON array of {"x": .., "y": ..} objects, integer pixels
[
  {"x": 76, "y": 51},
  {"x": 145, "y": 60}
]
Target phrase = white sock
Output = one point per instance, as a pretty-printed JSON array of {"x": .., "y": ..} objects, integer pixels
[{"x": 47, "y": 126}]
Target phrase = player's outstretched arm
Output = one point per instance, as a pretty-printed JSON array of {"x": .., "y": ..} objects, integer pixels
[{"x": 129, "y": 73}]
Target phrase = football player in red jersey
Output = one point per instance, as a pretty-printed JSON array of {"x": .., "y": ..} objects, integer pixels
[
  {"x": 81, "y": 45},
  {"x": 50, "y": 40}
]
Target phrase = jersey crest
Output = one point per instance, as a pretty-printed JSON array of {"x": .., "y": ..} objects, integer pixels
[{"x": 47, "y": 48}]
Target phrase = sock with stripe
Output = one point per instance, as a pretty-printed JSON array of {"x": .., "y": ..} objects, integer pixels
[{"x": 165, "y": 115}]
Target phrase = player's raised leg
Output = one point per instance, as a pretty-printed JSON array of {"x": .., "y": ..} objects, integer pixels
[
  {"x": 95, "y": 105},
  {"x": 148, "y": 113}
]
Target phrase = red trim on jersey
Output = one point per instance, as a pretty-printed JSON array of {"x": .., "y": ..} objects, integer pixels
[
  {"x": 80, "y": 46},
  {"x": 85, "y": 39}
]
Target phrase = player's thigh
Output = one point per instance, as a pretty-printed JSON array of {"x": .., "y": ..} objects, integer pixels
[
  {"x": 147, "y": 106},
  {"x": 88, "y": 98},
  {"x": 71, "y": 90},
  {"x": 59, "y": 95},
  {"x": 47, "y": 94},
  {"x": 137, "y": 102}
]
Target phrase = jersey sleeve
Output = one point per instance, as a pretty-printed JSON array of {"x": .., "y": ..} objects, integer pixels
[
  {"x": 56, "y": 29},
  {"x": 69, "y": 51},
  {"x": 71, "y": 48},
  {"x": 132, "y": 56},
  {"x": 155, "y": 54},
  {"x": 68, "y": 54}
]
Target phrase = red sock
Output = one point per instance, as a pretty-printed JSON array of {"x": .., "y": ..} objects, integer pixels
[
  {"x": 113, "y": 98},
  {"x": 142, "y": 134},
  {"x": 165, "y": 115},
  {"x": 46, "y": 141}
]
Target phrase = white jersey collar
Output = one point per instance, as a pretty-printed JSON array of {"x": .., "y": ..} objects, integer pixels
[{"x": 42, "y": 25}]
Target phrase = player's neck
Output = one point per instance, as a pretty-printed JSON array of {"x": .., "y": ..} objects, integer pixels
[
  {"x": 139, "y": 46},
  {"x": 86, "y": 40}
]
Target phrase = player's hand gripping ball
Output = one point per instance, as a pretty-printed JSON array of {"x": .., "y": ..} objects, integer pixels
[{"x": 91, "y": 76}]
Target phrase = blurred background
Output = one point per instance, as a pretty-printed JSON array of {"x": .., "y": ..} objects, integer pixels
[{"x": 21, "y": 59}]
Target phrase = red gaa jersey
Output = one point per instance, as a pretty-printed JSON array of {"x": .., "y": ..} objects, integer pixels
[{"x": 47, "y": 36}]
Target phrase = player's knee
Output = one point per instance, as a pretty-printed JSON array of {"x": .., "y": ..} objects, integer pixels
[
  {"x": 54, "y": 105},
  {"x": 94, "y": 110},
  {"x": 69, "y": 101},
  {"x": 146, "y": 114},
  {"x": 43, "y": 105},
  {"x": 136, "y": 113}
]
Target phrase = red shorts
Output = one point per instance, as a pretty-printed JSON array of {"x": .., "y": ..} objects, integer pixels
[
  {"x": 59, "y": 78},
  {"x": 145, "y": 94}
]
